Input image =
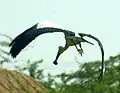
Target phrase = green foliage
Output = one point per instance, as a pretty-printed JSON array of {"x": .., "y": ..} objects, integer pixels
[
  {"x": 84, "y": 79},
  {"x": 8, "y": 37},
  {"x": 4, "y": 54},
  {"x": 33, "y": 70},
  {"x": 4, "y": 43}
]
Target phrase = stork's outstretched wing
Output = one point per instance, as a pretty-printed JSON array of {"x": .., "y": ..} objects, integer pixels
[
  {"x": 102, "y": 51},
  {"x": 22, "y": 40},
  {"x": 34, "y": 27}
]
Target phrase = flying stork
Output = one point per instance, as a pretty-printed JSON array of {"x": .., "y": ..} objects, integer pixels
[{"x": 23, "y": 39}]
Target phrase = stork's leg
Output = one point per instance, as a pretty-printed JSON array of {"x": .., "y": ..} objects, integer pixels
[
  {"x": 55, "y": 61},
  {"x": 79, "y": 50},
  {"x": 60, "y": 51}
]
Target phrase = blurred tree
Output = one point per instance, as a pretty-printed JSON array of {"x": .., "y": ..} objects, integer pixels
[
  {"x": 4, "y": 54},
  {"x": 84, "y": 79}
]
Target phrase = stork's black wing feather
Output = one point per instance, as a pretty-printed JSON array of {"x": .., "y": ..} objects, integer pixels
[
  {"x": 102, "y": 50},
  {"x": 34, "y": 27},
  {"x": 28, "y": 36}
]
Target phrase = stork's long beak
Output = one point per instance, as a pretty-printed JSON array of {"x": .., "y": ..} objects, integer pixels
[{"x": 86, "y": 41}]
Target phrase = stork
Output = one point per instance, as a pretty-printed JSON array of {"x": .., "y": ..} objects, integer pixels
[{"x": 23, "y": 39}]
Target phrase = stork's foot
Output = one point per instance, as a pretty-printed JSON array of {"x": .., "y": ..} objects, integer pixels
[
  {"x": 80, "y": 52},
  {"x": 55, "y": 63}
]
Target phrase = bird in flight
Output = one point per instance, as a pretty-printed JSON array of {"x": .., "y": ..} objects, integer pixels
[{"x": 23, "y": 39}]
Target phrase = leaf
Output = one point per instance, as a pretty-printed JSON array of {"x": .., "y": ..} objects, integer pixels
[
  {"x": 3, "y": 51},
  {"x": 5, "y": 58},
  {"x": 4, "y": 43},
  {"x": 10, "y": 38}
]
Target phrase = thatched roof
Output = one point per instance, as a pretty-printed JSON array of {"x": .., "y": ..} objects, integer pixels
[{"x": 16, "y": 82}]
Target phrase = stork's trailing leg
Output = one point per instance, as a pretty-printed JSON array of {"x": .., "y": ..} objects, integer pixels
[
  {"x": 80, "y": 51},
  {"x": 60, "y": 51},
  {"x": 81, "y": 48}
]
